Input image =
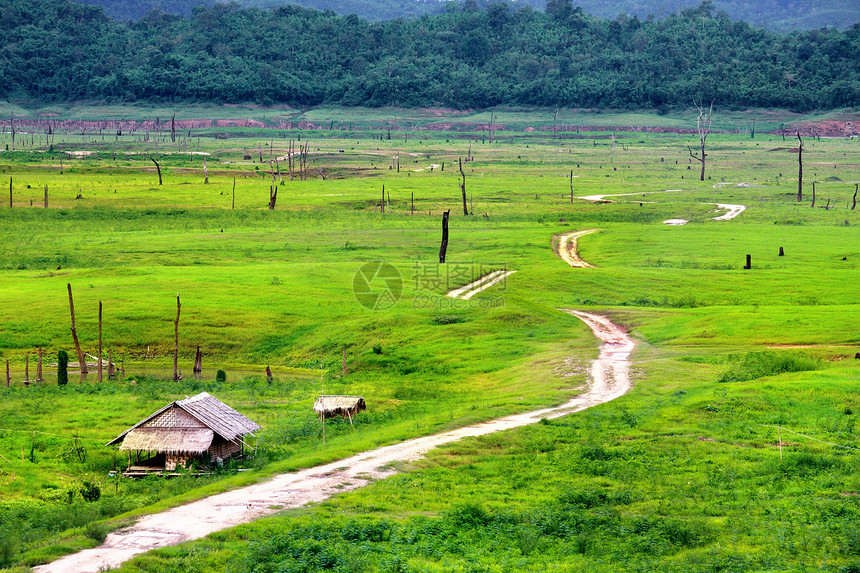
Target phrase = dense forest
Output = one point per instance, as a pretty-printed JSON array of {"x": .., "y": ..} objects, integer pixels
[
  {"x": 466, "y": 57},
  {"x": 777, "y": 15}
]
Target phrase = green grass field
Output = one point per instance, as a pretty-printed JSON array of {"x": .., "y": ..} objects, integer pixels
[{"x": 682, "y": 474}]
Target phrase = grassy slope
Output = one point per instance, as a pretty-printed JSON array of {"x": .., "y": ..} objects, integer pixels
[{"x": 275, "y": 287}]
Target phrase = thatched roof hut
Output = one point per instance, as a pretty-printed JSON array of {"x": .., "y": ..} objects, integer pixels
[
  {"x": 343, "y": 406},
  {"x": 200, "y": 426}
]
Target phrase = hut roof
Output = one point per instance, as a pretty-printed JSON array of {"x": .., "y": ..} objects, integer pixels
[
  {"x": 212, "y": 413},
  {"x": 339, "y": 405},
  {"x": 169, "y": 440}
]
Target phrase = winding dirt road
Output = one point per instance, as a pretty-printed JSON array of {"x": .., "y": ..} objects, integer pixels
[
  {"x": 468, "y": 291},
  {"x": 567, "y": 248},
  {"x": 609, "y": 378},
  {"x": 733, "y": 211}
]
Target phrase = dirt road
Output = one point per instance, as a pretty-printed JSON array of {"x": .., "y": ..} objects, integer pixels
[
  {"x": 567, "y": 248},
  {"x": 733, "y": 211},
  {"x": 609, "y": 378},
  {"x": 468, "y": 291}
]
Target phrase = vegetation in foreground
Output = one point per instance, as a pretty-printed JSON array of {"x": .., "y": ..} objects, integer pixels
[{"x": 275, "y": 287}]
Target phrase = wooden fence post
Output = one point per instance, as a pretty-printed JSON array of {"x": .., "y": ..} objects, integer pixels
[
  {"x": 81, "y": 358},
  {"x": 443, "y": 249},
  {"x": 176, "y": 341}
]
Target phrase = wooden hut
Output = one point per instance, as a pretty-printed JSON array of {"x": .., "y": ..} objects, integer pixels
[
  {"x": 200, "y": 427},
  {"x": 344, "y": 406}
]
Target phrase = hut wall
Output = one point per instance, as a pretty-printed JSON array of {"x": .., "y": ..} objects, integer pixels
[
  {"x": 174, "y": 460},
  {"x": 223, "y": 449}
]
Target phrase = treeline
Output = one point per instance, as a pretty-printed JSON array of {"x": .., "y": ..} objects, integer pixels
[{"x": 56, "y": 50}]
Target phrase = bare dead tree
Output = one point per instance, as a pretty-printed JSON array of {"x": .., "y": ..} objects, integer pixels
[
  {"x": 100, "y": 341},
  {"x": 751, "y": 127},
  {"x": 799, "y": 168},
  {"x": 555, "y": 124},
  {"x": 273, "y": 197},
  {"x": 443, "y": 249},
  {"x": 571, "y": 186},
  {"x": 854, "y": 203},
  {"x": 463, "y": 187},
  {"x": 172, "y": 135},
  {"x": 12, "y": 127},
  {"x": 813, "y": 194},
  {"x": 157, "y": 168},
  {"x": 46, "y": 196},
  {"x": 234, "y": 194},
  {"x": 492, "y": 128},
  {"x": 176, "y": 341},
  {"x": 198, "y": 362},
  {"x": 10, "y": 192},
  {"x": 39, "y": 367},
  {"x": 81, "y": 361},
  {"x": 703, "y": 127}
]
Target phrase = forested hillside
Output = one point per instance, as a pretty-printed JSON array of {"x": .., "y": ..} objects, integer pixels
[
  {"x": 777, "y": 15},
  {"x": 56, "y": 50}
]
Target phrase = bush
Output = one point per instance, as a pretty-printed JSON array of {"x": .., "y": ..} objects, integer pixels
[
  {"x": 220, "y": 376},
  {"x": 753, "y": 365},
  {"x": 62, "y": 368},
  {"x": 96, "y": 531},
  {"x": 447, "y": 319},
  {"x": 90, "y": 491}
]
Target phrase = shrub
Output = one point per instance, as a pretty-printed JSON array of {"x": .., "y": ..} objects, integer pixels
[
  {"x": 447, "y": 319},
  {"x": 754, "y": 365},
  {"x": 90, "y": 491},
  {"x": 220, "y": 376},
  {"x": 62, "y": 368},
  {"x": 96, "y": 531}
]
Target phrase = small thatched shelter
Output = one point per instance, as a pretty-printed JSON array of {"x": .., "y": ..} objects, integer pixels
[
  {"x": 344, "y": 406},
  {"x": 198, "y": 427}
]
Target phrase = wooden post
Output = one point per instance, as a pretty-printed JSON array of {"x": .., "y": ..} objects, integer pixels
[
  {"x": 81, "y": 359},
  {"x": 779, "y": 429},
  {"x": 322, "y": 402},
  {"x": 343, "y": 364},
  {"x": 854, "y": 204},
  {"x": 27, "y": 368},
  {"x": 571, "y": 186},
  {"x": 463, "y": 188},
  {"x": 749, "y": 262},
  {"x": 176, "y": 341},
  {"x": 198, "y": 362},
  {"x": 382, "y": 202},
  {"x": 799, "y": 169},
  {"x": 8, "y": 374},
  {"x": 781, "y": 252},
  {"x": 443, "y": 249},
  {"x": 234, "y": 194},
  {"x": 413, "y": 202},
  {"x": 39, "y": 367},
  {"x": 157, "y": 168},
  {"x": 205, "y": 172},
  {"x": 10, "y": 192},
  {"x": 110, "y": 364},
  {"x": 100, "y": 341},
  {"x": 813, "y": 193},
  {"x": 46, "y": 196}
]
